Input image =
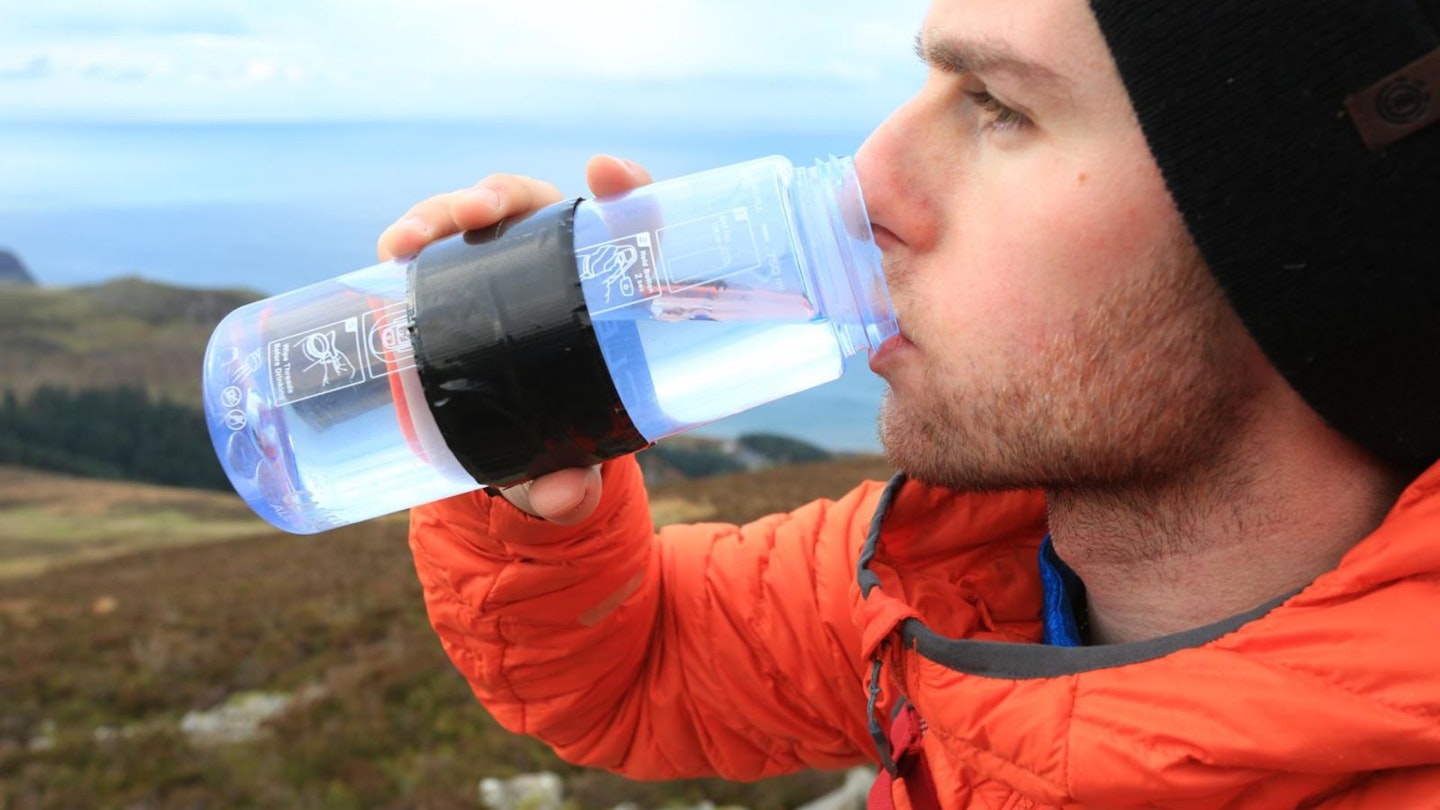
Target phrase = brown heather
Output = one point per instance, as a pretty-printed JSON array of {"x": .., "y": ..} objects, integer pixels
[{"x": 150, "y": 602}]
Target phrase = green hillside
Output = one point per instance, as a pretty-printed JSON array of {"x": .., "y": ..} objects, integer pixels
[
  {"x": 126, "y": 332},
  {"x": 104, "y": 381}
]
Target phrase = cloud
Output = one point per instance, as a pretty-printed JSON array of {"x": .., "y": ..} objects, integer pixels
[
  {"x": 451, "y": 58},
  {"x": 37, "y": 67},
  {"x": 68, "y": 19}
]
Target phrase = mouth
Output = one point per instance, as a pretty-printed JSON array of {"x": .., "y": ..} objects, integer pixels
[{"x": 889, "y": 353}]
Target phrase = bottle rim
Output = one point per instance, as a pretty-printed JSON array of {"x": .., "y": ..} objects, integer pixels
[{"x": 834, "y": 184}]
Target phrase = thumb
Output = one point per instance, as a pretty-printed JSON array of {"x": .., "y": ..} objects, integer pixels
[{"x": 565, "y": 497}]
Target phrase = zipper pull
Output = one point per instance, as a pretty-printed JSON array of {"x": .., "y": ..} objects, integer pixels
[{"x": 878, "y": 731}]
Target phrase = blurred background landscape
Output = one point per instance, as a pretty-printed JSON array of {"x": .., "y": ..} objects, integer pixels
[
  {"x": 162, "y": 647},
  {"x": 161, "y": 164}
]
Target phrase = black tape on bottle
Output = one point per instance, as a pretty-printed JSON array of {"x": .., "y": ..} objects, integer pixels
[{"x": 507, "y": 354}]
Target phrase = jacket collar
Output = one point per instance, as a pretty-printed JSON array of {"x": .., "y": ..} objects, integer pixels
[{"x": 1312, "y": 688}]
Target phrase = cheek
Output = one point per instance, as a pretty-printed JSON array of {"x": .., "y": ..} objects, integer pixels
[
  {"x": 998, "y": 283},
  {"x": 1028, "y": 251},
  {"x": 1066, "y": 234}
]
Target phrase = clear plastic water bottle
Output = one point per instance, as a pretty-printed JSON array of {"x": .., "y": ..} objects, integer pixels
[{"x": 582, "y": 332}]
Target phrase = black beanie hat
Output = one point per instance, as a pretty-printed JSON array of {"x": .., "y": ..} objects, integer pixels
[{"x": 1300, "y": 140}]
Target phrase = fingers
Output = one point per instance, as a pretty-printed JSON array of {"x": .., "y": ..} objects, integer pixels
[
  {"x": 499, "y": 196},
  {"x": 608, "y": 175},
  {"x": 425, "y": 222},
  {"x": 487, "y": 202},
  {"x": 494, "y": 198},
  {"x": 565, "y": 497}
]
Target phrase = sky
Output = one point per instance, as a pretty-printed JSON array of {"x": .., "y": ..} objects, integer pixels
[
  {"x": 731, "y": 64},
  {"x": 681, "y": 85}
]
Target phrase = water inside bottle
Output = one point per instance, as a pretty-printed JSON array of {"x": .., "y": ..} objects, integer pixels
[
  {"x": 316, "y": 409},
  {"x": 706, "y": 297},
  {"x": 703, "y": 304},
  {"x": 702, "y": 370}
]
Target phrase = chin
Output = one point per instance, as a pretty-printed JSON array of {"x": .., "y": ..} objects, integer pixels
[
  {"x": 932, "y": 451},
  {"x": 905, "y": 444}
]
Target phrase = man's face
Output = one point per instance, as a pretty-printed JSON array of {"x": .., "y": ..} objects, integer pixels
[{"x": 1061, "y": 329}]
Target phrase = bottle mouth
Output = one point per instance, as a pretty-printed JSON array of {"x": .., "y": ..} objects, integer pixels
[{"x": 837, "y": 188}]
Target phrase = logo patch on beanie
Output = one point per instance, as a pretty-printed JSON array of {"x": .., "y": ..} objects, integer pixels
[{"x": 1398, "y": 105}]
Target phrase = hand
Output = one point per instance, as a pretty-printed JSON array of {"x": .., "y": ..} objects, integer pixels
[{"x": 566, "y": 496}]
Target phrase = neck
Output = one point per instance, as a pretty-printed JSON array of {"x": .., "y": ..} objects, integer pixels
[{"x": 1256, "y": 523}]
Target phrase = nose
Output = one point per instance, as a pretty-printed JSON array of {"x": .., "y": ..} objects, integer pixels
[
  {"x": 873, "y": 166},
  {"x": 890, "y": 168}
]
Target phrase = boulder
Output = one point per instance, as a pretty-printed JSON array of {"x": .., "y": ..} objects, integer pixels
[
  {"x": 531, "y": 791},
  {"x": 242, "y": 717}
]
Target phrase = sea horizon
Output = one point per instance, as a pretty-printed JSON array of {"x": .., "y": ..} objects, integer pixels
[{"x": 274, "y": 206}]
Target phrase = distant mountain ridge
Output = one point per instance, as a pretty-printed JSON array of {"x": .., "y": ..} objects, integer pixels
[
  {"x": 125, "y": 332},
  {"x": 139, "y": 334},
  {"x": 12, "y": 270}
]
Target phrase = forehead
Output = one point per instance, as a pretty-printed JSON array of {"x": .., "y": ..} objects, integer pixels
[{"x": 1059, "y": 35}]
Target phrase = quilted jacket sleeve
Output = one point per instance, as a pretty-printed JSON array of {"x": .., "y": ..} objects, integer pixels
[{"x": 704, "y": 649}]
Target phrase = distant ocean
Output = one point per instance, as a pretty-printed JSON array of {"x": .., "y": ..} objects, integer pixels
[{"x": 273, "y": 207}]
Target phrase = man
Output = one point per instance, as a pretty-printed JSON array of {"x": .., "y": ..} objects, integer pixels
[{"x": 1166, "y": 277}]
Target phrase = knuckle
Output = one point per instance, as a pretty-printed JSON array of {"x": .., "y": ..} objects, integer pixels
[
  {"x": 429, "y": 205},
  {"x": 496, "y": 181}
]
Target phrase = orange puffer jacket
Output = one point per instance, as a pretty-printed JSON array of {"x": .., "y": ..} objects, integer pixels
[{"x": 750, "y": 651}]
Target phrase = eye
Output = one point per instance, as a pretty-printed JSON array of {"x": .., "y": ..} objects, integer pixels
[{"x": 996, "y": 114}]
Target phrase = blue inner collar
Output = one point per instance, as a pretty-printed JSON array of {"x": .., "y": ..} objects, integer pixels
[{"x": 1065, "y": 616}]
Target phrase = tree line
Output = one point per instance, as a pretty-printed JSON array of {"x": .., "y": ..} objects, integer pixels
[
  {"x": 124, "y": 433},
  {"x": 120, "y": 433}
]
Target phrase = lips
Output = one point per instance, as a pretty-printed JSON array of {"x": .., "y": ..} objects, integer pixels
[
  {"x": 893, "y": 348},
  {"x": 889, "y": 353}
]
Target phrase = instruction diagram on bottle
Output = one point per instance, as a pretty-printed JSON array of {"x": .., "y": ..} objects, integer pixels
[
  {"x": 318, "y": 361},
  {"x": 241, "y": 368},
  {"x": 708, "y": 249},
  {"x": 619, "y": 272},
  {"x": 642, "y": 266},
  {"x": 387, "y": 340}
]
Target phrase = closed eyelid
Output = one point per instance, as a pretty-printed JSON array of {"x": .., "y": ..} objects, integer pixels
[{"x": 1004, "y": 116}]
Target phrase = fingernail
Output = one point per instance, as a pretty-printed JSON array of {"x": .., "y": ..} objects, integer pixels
[
  {"x": 488, "y": 197},
  {"x": 416, "y": 224},
  {"x": 624, "y": 164}
]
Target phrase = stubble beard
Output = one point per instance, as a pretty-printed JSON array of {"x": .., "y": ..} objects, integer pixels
[{"x": 1144, "y": 388}]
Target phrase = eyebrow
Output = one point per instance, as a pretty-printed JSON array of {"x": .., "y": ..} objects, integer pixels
[{"x": 980, "y": 56}]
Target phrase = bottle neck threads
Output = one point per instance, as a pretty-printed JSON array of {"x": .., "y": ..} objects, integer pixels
[{"x": 846, "y": 262}]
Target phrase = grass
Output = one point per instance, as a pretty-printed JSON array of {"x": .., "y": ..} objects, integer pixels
[
  {"x": 49, "y": 521},
  {"x": 133, "y": 642}
]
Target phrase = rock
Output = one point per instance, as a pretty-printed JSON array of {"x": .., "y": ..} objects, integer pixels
[
  {"x": 44, "y": 739},
  {"x": 110, "y": 735},
  {"x": 12, "y": 270},
  {"x": 240, "y": 718},
  {"x": 705, "y": 804},
  {"x": 533, "y": 791},
  {"x": 545, "y": 791},
  {"x": 853, "y": 795}
]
